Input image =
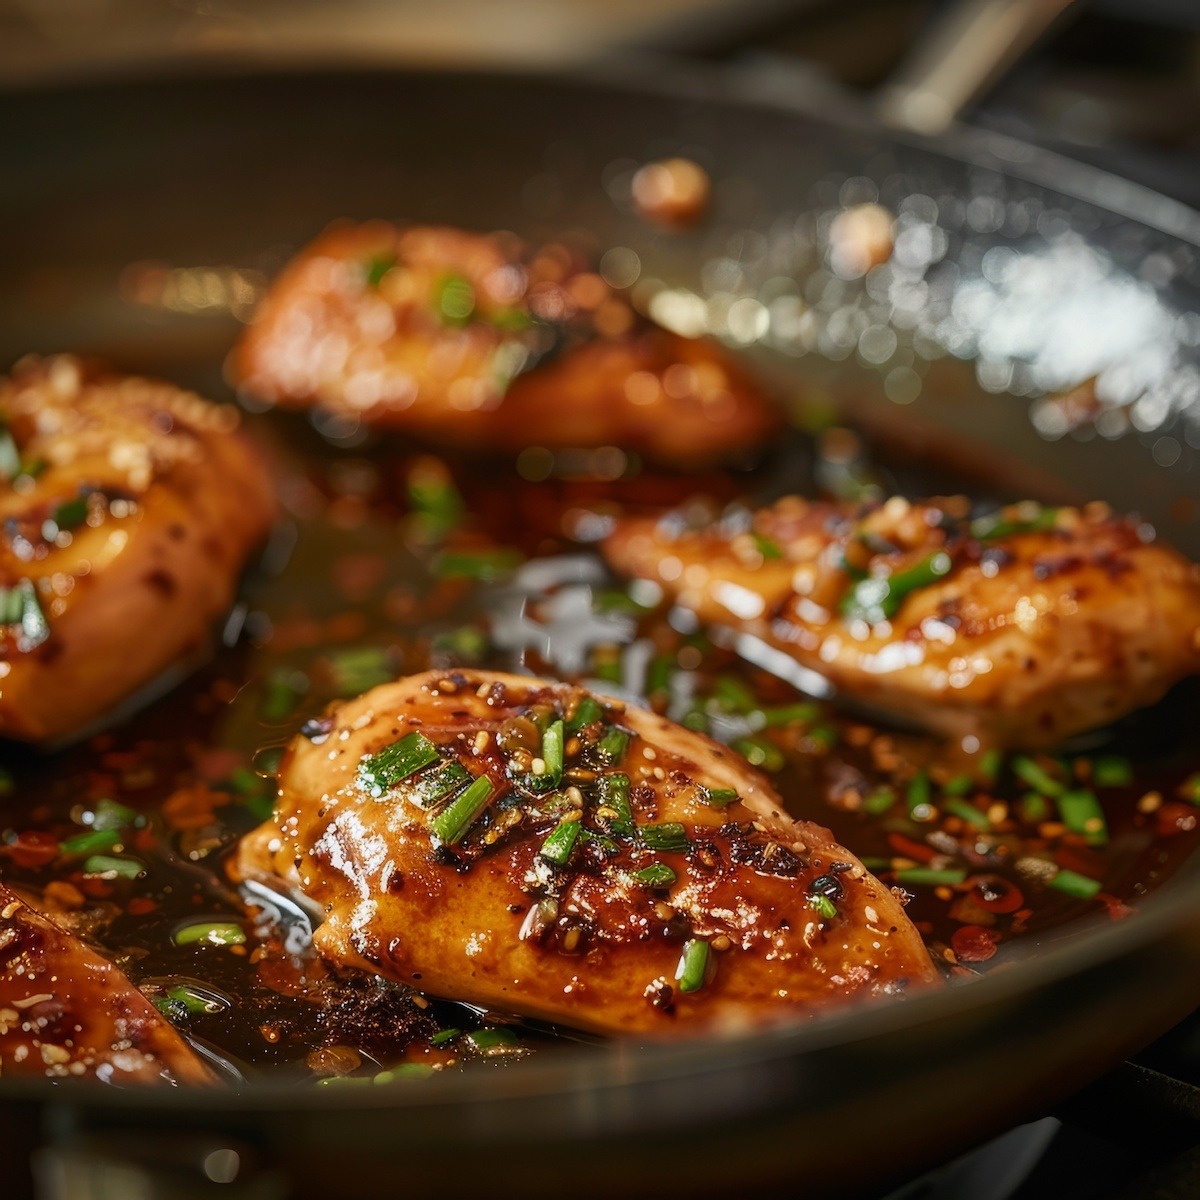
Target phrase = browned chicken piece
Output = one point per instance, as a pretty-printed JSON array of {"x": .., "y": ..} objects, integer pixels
[
  {"x": 66, "y": 1012},
  {"x": 1019, "y": 628},
  {"x": 473, "y": 341},
  {"x": 528, "y": 846},
  {"x": 129, "y": 508}
]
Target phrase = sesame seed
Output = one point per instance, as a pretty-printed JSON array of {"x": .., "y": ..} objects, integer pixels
[{"x": 720, "y": 943}]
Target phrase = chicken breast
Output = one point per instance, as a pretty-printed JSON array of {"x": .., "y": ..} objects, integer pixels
[
  {"x": 473, "y": 341},
  {"x": 129, "y": 508},
  {"x": 528, "y": 846},
  {"x": 67, "y": 1012},
  {"x": 1019, "y": 628}
]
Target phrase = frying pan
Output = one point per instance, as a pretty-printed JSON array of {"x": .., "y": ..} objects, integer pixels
[{"x": 233, "y": 168}]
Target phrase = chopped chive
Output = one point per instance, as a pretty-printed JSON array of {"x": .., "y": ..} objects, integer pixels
[
  {"x": 823, "y": 906},
  {"x": 966, "y": 811},
  {"x": 552, "y": 751},
  {"x": 409, "y": 1070},
  {"x": 443, "y": 1036},
  {"x": 997, "y": 525},
  {"x": 587, "y": 712},
  {"x": 990, "y": 764},
  {"x": 718, "y": 797},
  {"x": 732, "y": 695},
  {"x": 612, "y": 791},
  {"x": 34, "y": 629},
  {"x": 695, "y": 718},
  {"x": 104, "y": 864},
  {"x": 1082, "y": 814},
  {"x": 212, "y": 933},
  {"x": 919, "y": 797},
  {"x": 613, "y": 600},
  {"x": 656, "y": 875},
  {"x": 666, "y": 835},
  {"x": 602, "y": 841},
  {"x": 284, "y": 689},
  {"x": 493, "y": 1041},
  {"x": 511, "y": 320},
  {"x": 450, "y": 826},
  {"x": 181, "y": 1002},
  {"x": 606, "y": 664},
  {"x": 375, "y": 268},
  {"x": 692, "y": 971},
  {"x": 468, "y": 644},
  {"x": 435, "y": 501},
  {"x": 486, "y": 566},
  {"x": 929, "y": 877},
  {"x": 611, "y": 748},
  {"x": 560, "y": 843},
  {"x": 436, "y": 784},
  {"x": 824, "y": 735},
  {"x": 455, "y": 299},
  {"x": 71, "y": 514},
  {"x": 788, "y": 714},
  {"x": 960, "y": 785},
  {"x": 879, "y": 801},
  {"x": 767, "y": 547},
  {"x": 878, "y": 597},
  {"x": 88, "y": 843},
  {"x": 1111, "y": 771},
  {"x": 108, "y": 814},
  {"x": 1034, "y": 807},
  {"x": 658, "y": 674},
  {"x": 760, "y": 752},
  {"x": 360, "y": 668},
  {"x": 1037, "y": 776},
  {"x": 1074, "y": 884},
  {"x": 396, "y": 762}
]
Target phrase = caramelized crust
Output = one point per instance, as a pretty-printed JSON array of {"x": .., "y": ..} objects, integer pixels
[
  {"x": 67, "y": 1012},
  {"x": 129, "y": 508},
  {"x": 1019, "y": 629},
  {"x": 791, "y": 920},
  {"x": 472, "y": 341}
]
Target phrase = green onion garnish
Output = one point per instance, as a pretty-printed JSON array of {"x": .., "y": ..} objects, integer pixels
[
  {"x": 960, "y": 785},
  {"x": 767, "y": 547},
  {"x": 587, "y": 712},
  {"x": 455, "y": 299},
  {"x": 436, "y": 784},
  {"x": 1074, "y": 884},
  {"x": 612, "y": 747},
  {"x": 374, "y": 269},
  {"x": 656, "y": 875},
  {"x": 879, "y": 801},
  {"x": 667, "y": 835},
  {"x": 658, "y": 674},
  {"x": 990, "y": 764},
  {"x": 692, "y": 971},
  {"x": 284, "y": 690},
  {"x": 929, "y": 877},
  {"x": 450, "y": 826},
  {"x": 493, "y": 1041},
  {"x": 396, "y": 762},
  {"x": 612, "y": 791},
  {"x": 966, "y": 811},
  {"x": 467, "y": 644},
  {"x": 90, "y": 842},
  {"x": 1111, "y": 771},
  {"x": 788, "y": 714},
  {"x": 360, "y": 668},
  {"x": 212, "y": 933},
  {"x": 19, "y": 606},
  {"x": 552, "y": 751},
  {"x": 560, "y": 843},
  {"x": 1082, "y": 814},
  {"x": 997, "y": 525},
  {"x": 1034, "y": 807},
  {"x": 409, "y": 1070},
  {"x": 486, "y": 566},
  {"x": 919, "y": 797},
  {"x": 733, "y": 695},
  {"x": 760, "y": 752},
  {"x": 183, "y": 1001},
  {"x": 108, "y": 814},
  {"x": 435, "y": 501},
  {"x": 71, "y": 514},
  {"x": 879, "y": 597},
  {"x": 103, "y": 864},
  {"x": 1037, "y": 776},
  {"x": 443, "y": 1036},
  {"x": 823, "y": 906},
  {"x": 718, "y": 797}
]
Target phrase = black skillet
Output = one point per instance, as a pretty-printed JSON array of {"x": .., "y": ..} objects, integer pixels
[{"x": 234, "y": 169}]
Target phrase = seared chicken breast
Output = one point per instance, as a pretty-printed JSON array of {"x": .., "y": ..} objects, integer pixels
[
  {"x": 529, "y": 846},
  {"x": 1019, "y": 628},
  {"x": 67, "y": 1012},
  {"x": 129, "y": 508},
  {"x": 474, "y": 341}
]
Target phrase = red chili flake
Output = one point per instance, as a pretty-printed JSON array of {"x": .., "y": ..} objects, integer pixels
[
  {"x": 973, "y": 943},
  {"x": 996, "y": 894},
  {"x": 910, "y": 849},
  {"x": 92, "y": 885},
  {"x": 32, "y": 848},
  {"x": 139, "y": 906},
  {"x": 1174, "y": 818},
  {"x": 1117, "y": 908}
]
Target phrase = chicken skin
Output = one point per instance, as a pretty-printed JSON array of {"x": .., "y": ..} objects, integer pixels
[
  {"x": 67, "y": 1012},
  {"x": 1018, "y": 629},
  {"x": 472, "y": 341},
  {"x": 529, "y": 846},
  {"x": 129, "y": 508}
]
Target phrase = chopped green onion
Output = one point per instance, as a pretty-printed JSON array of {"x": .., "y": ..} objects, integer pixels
[
  {"x": 1082, "y": 814},
  {"x": 560, "y": 843},
  {"x": 612, "y": 791},
  {"x": 33, "y": 467},
  {"x": 493, "y": 1041},
  {"x": 824, "y": 735},
  {"x": 879, "y": 801},
  {"x": 467, "y": 644},
  {"x": 552, "y": 751},
  {"x": 823, "y": 906},
  {"x": 284, "y": 689},
  {"x": 450, "y": 826},
  {"x": 919, "y": 797},
  {"x": 396, "y": 762},
  {"x": 108, "y": 814},
  {"x": 611, "y": 748},
  {"x": 486, "y": 566},
  {"x": 587, "y": 712},
  {"x": 410, "y": 1070},
  {"x": 692, "y": 971},
  {"x": 658, "y": 674},
  {"x": 767, "y": 547},
  {"x": 732, "y": 695},
  {"x": 718, "y": 797},
  {"x": 1034, "y": 807},
  {"x": 990, "y": 764},
  {"x": 960, "y": 785},
  {"x": 1037, "y": 776},
  {"x": 1074, "y": 884},
  {"x": 879, "y": 597},
  {"x": 88, "y": 843},
  {"x": 19, "y": 606},
  {"x": 184, "y": 1002},
  {"x": 602, "y": 840},
  {"x": 71, "y": 514},
  {"x": 436, "y": 784},
  {"x": 695, "y": 718},
  {"x": 929, "y": 877},
  {"x": 455, "y": 299},
  {"x": 997, "y": 525},
  {"x": 374, "y": 269},
  {"x": 122, "y": 868},
  {"x": 656, "y": 875},
  {"x": 360, "y": 668},
  {"x": 1111, "y": 771},
  {"x": 443, "y": 1036},
  {"x": 212, "y": 933},
  {"x": 511, "y": 320},
  {"x": 435, "y": 501},
  {"x": 612, "y": 600},
  {"x": 966, "y": 811},
  {"x": 760, "y": 752},
  {"x": 667, "y": 835},
  {"x": 787, "y": 714}
]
